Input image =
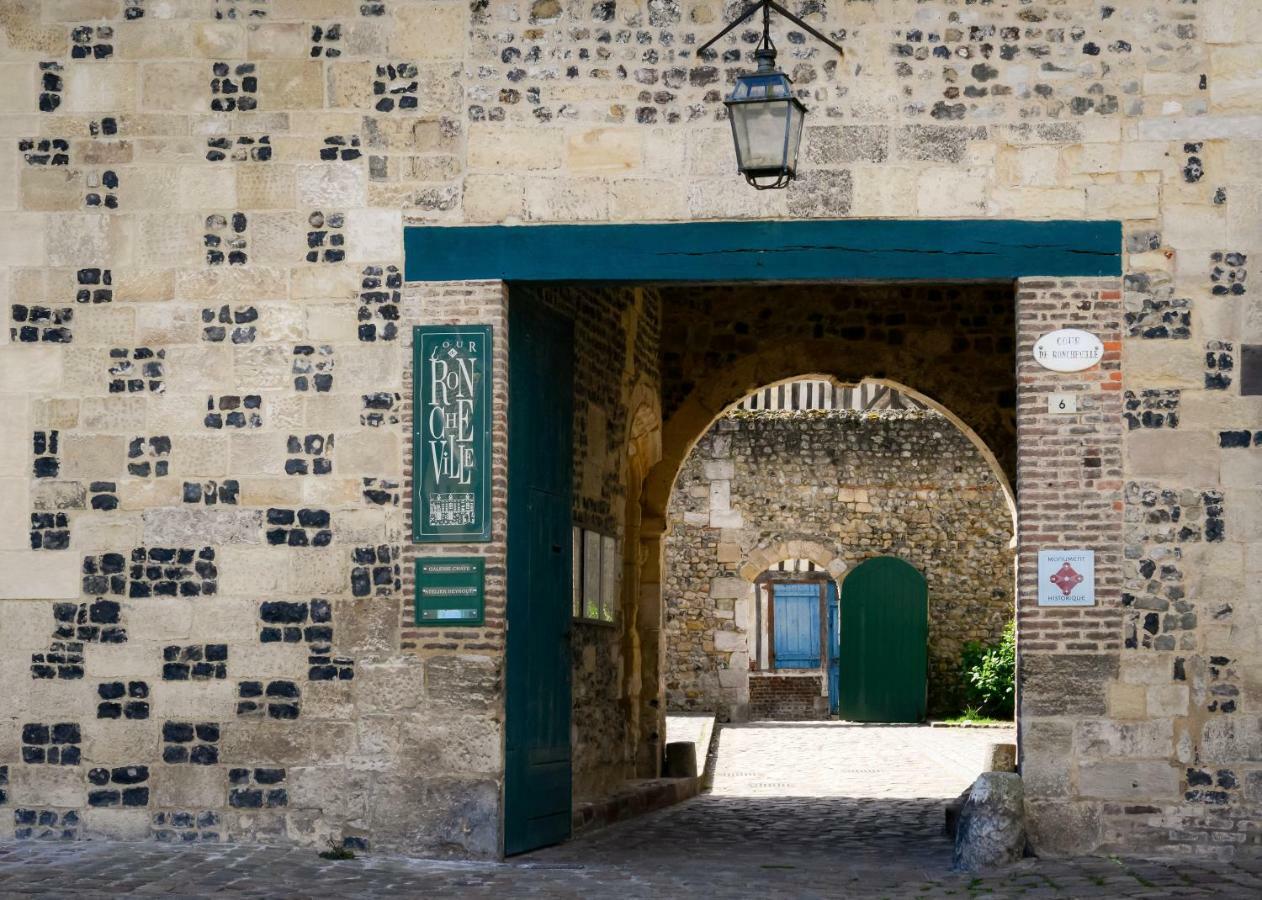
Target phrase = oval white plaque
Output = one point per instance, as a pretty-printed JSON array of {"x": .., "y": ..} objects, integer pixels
[{"x": 1068, "y": 350}]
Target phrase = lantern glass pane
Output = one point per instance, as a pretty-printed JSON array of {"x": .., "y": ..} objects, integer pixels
[
  {"x": 760, "y": 130},
  {"x": 797, "y": 115}
]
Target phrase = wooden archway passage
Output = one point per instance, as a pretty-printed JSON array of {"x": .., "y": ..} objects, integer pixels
[
  {"x": 884, "y": 647},
  {"x": 750, "y": 251}
]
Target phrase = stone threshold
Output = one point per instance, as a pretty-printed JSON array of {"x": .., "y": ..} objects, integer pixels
[{"x": 634, "y": 798}]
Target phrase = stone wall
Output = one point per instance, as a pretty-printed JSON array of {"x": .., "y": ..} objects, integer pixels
[
  {"x": 200, "y": 196},
  {"x": 836, "y": 487}
]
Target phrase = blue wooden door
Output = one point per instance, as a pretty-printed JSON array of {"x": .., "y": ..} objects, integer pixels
[
  {"x": 797, "y": 633},
  {"x": 537, "y": 777}
]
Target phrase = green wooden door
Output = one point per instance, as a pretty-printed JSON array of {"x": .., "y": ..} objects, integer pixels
[
  {"x": 884, "y": 642},
  {"x": 537, "y": 726}
]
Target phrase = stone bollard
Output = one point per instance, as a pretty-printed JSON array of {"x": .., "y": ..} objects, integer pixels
[
  {"x": 681, "y": 760},
  {"x": 1000, "y": 758},
  {"x": 991, "y": 829}
]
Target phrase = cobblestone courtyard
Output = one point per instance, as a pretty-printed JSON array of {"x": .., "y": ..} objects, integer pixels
[{"x": 797, "y": 810}]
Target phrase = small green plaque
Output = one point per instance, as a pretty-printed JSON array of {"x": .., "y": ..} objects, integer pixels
[
  {"x": 450, "y": 590},
  {"x": 451, "y": 438}
]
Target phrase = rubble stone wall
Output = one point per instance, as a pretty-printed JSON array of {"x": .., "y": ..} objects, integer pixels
[{"x": 852, "y": 485}]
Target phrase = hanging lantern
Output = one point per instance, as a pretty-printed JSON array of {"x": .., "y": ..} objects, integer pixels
[
  {"x": 766, "y": 124},
  {"x": 766, "y": 118}
]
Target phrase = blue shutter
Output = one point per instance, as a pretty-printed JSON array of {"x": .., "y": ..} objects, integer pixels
[{"x": 797, "y": 626}]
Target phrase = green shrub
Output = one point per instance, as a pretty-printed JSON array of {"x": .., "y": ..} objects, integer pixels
[{"x": 990, "y": 674}]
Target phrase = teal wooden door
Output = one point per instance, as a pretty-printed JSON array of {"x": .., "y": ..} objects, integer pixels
[
  {"x": 884, "y": 642},
  {"x": 537, "y": 701}
]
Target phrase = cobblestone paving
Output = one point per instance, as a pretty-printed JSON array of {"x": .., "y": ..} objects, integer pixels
[{"x": 797, "y": 811}]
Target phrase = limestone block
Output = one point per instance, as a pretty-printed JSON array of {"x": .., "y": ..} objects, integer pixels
[
  {"x": 31, "y": 573},
  {"x": 117, "y": 414},
  {"x": 604, "y": 150},
  {"x": 322, "y": 570},
  {"x": 1242, "y": 470},
  {"x": 1168, "y": 700},
  {"x": 285, "y": 744},
  {"x": 493, "y": 198},
  {"x": 53, "y": 785},
  {"x": 270, "y": 661},
  {"x": 370, "y": 452},
  {"x": 1164, "y": 363},
  {"x": 140, "y": 657},
  {"x": 95, "y": 534},
  {"x": 52, "y": 189},
  {"x": 432, "y": 31},
  {"x": 332, "y": 322},
  {"x": 1123, "y": 201},
  {"x": 331, "y": 788},
  {"x": 1191, "y": 457},
  {"x": 1232, "y": 738},
  {"x": 883, "y": 191},
  {"x": 1066, "y": 684},
  {"x": 716, "y": 470},
  {"x": 28, "y": 624},
  {"x": 161, "y": 238},
  {"x": 1102, "y": 738},
  {"x": 176, "y": 86},
  {"x": 335, "y": 185},
  {"x": 291, "y": 84},
  {"x": 463, "y": 683},
  {"x": 93, "y": 456},
  {"x": 1135, "y": 780},
  {"x": 265, "y": 187},
  {"x": 374, "y": 235},
  {"x": 492, "y": 147},
  {"x": 991, "y": 829},
  {"x": 948, "y": 192},
  {"x": 1027, "y": 201},
  {"x": 191, "y": 787},
  {"x": 252, "y": 571},
  {"x": 109, "y": 740},
  {"x": 1127, "y": 701},
  {"x": 229, "y": 284},
  {"x": 730, "y": 641},
  {"x": 726, "y": 519},
  {"x": 103, "y": 88},
  {"x": 361, "y": 526},
  {"x": 22, "y": 239},
  {"x": 720, "y": 496},
  {"x": 350, "y": 85},
  {"x": 85, "y": 239},
  {"x": 1190, "y": 228},
  {"x": 728, "y": 588},
  {"x": 567, "y": 200},
  {"x": 15, "y": 511},
  {"x": 186, "y": 525},
  {"x": 260, "y": 367},
  {"x": 193, "y": 701},
  {"x": 258, "y": 454},
  {"x": 1230, "y": 21},
  {"x": 451, "y": 745},
  {"x": 641, "y": 199},
  {"x": 279, "y": 40}
]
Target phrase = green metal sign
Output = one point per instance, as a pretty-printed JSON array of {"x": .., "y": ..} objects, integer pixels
[
  {"x": 450, "y": 590},
  {"x": 451, "y": 433}
]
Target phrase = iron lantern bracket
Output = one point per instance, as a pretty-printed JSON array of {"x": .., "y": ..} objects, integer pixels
[{"x": 767, "y": 6}]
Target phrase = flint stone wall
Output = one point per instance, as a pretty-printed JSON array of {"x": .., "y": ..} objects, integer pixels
[{"x": 854, "y": 485}]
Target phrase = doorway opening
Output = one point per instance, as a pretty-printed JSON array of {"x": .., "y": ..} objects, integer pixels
[{"x": 660, "y": 370}]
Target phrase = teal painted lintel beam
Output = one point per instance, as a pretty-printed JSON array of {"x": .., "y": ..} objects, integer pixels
[{"x": 803, "y": 250}]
